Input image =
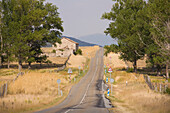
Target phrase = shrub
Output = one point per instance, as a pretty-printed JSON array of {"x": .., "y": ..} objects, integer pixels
[
  {"x": 130, "y": 70},
  {"x": 79, "y": 51},
  {"x": 168, "y": 90},
  {"x": 53, "y": 51}
]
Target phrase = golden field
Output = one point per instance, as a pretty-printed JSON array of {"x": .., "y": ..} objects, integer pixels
[
  {"x": 38, "y": 88},
  {"x": 136, "y": 97},
  {"x": 113, "y": 60}
]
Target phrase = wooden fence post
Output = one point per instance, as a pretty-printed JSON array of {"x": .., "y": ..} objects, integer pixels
[
  {"x": 156, "y": 88},
  {"x": 1, "y": 92},
  {"x": 160, "y": 88},
  {"x": 6, "y": 89}
]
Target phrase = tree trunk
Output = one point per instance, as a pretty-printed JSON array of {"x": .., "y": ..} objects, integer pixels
[
  {"x": 1, "y": 50},
  {"x": 135, "y": 66},
  {"x": 29, "y": 65},
  {"x": 167, "y": 71},
  {"x": 158, "y": 70},
  {"x": 127, "y": 66},
  {"x": 20, "y": 64},
  {"x": 8, "y": 63},
  {"x": 0, "y": 61},
  {"x": 1, "y": 44}
]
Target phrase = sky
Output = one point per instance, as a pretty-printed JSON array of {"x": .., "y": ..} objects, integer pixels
[{"x": 83, "y": 17}]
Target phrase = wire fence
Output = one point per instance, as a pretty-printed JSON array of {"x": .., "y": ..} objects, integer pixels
[
  {"x": 4, "y": 87},
  {"x": 158, "y": 87}
]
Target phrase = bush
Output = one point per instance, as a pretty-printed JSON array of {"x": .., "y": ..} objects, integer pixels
[
  {"x": 53, "y": 51},
  {"x": 168, "y": 90},
  {"x": 79, "y": 51},
  {"x": 130, "y": 70}
]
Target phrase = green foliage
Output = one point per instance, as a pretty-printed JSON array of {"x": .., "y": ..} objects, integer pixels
[
  {"x": 127, "y": 25},
  {"x": 141, "y": 28},
  {"x": 168, "y": 90},
  {"x": 111, "y": 48},
  {"x": 130, "y": 70},
  {"x": 78, "y": 52},
  {"x": 26, "y": 29},
  {"x": 53, "y": 51},
  {"x": 61, "y": 50}
]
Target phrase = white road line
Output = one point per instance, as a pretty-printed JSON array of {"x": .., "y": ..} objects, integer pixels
[{"x": 86, "y": 89}]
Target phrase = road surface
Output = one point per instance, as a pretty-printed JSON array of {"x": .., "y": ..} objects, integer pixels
[{"x": 87, "y": 95}]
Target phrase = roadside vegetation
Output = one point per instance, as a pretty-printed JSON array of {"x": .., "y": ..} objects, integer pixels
[
  {"x": 135, "y": 96},
  {"x": 142, "y": 29}
]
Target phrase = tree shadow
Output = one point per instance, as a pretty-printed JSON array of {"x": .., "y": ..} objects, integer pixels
[{"x": 34, "y": 66}]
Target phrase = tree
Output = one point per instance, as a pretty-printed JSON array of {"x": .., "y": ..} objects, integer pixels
[
  {"x": 159, "y": 12},
  {"x": 29, "y": 25},
  {"x": 111, "y": 48},
  {"x": 1, "y": 44},
  {"x": 126, "y": 26}
]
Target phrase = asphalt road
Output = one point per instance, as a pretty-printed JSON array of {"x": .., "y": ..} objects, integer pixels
[{"x": 86, "y": 96}]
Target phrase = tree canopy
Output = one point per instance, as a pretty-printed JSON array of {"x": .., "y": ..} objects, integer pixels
[
  {"x": 141, "y": 28},
  {"x": 27, "y": 25}
]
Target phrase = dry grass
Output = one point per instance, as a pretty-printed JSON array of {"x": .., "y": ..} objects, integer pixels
[
  {"x": 57, "y": 60},
  {"x": 35, "y": 89},
  {"x": 7, "y": 75},
  {"x": 89, "y": 51},
  {"x": 38, "y": 87},
  {"x": 79, "y": 60},
  {"x": 76, "y": 61},
  {"x": 47, "y": 49},
  {"x": 113, "y": 60},
  {"x": 136, "y": 97}
]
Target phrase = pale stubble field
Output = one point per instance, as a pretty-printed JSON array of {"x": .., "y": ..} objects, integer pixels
[
  {"x": 38, "y": 88},
  {"x": 136, "y": 97}
]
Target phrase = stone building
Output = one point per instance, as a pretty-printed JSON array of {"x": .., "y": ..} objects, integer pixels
[{"x": 66, "y": 48}]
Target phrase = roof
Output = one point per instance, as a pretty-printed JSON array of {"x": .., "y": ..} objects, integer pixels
[{"x": 70, "y": 40}]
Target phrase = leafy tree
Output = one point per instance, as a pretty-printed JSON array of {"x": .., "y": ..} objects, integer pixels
[
  {"x": 159, "y": 12},
  {"x": 28, "y": 25},
  {"x": 1, "y": 46},
  {"x": 111, "y": 48},
  {"x": 126, "y": 26}
]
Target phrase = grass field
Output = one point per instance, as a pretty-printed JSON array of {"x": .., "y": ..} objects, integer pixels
[
  {"x": 38, "y": 88},
  {"x": 136, "y": 96}
]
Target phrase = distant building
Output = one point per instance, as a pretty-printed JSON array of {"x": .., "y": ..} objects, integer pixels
[{"x": 66, "y": 48}]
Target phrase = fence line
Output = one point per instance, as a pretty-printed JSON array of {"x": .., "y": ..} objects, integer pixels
[
  {"x": 158, "y": 87},
  {"x": 4, "y": 87},
  {"x": 64, "y": 65}
]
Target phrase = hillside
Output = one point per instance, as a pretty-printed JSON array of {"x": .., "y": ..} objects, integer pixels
[
  {"x": 81, "y": 43},
  {"x": 99, "y": 39}
]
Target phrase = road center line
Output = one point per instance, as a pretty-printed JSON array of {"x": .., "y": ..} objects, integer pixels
[{"x": 86, "y": 89}]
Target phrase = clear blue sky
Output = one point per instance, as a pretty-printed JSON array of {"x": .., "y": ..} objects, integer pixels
[{"x": 82, "y": 17}]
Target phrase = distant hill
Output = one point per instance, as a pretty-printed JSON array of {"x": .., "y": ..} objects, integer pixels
[
  {"x": 81, "y": 43},
  {"x": 99, "y": 39},
  {"x": 91, "y": 40}
]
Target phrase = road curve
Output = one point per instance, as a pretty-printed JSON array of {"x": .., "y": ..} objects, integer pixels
[{"x": 86, "y": 96}]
